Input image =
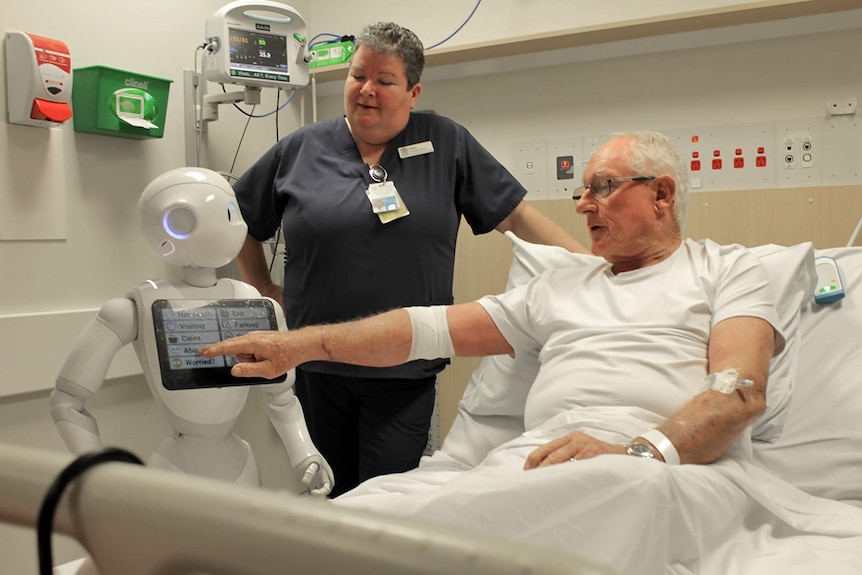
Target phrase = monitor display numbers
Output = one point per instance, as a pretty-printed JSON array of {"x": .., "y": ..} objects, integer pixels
[{"x": 251, "y": 50}]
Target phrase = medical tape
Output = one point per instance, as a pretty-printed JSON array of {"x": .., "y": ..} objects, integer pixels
[
  {"x": 664, "y": 446},
  {"x": 726, "y": 381},
  {"x": 431, "y": 339}
]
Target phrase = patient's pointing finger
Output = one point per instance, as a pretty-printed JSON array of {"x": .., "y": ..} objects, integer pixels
[{"x": 222, "y": 348}]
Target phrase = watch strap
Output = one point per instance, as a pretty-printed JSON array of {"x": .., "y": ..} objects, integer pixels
[{"x": 663, "y": 445}]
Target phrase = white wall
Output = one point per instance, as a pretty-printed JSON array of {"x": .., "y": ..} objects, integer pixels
[
  {"x": 102, "y": 255},
  {"x": 494, "y": 20},
  {"x": 774, "y": 71},
  {"x": 771, "y": 72}
]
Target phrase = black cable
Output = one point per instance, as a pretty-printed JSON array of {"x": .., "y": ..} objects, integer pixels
[
  {"x": 45, "y": 524},
  {"x": 241, "y": 138},
  {"x": 277, "y": 98},
  {"x": 274, "y": 248},
  {"x": 278, "y": 231}
]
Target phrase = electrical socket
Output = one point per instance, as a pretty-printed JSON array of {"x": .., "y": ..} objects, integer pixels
[{"x": 841, "y": 106}]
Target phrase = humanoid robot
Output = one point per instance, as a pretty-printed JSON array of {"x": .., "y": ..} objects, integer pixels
[{"x": 191, "y": 219}]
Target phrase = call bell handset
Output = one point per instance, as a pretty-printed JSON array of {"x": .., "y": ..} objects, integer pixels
[{"x": 259, "y": 44}]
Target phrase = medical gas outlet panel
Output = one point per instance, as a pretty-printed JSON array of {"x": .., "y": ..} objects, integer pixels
[{"x": 780, "y": 154}]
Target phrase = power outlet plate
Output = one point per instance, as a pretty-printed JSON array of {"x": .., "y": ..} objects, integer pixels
[
  {"x": 531, "y": 167},
  {"x": 841, "y": 106}
]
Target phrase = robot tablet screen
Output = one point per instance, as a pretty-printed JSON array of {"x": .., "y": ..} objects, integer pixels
[{"x": 184, "y": 326}]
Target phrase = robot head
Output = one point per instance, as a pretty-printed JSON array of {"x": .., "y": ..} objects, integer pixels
[{"x": 190, "y": 217}]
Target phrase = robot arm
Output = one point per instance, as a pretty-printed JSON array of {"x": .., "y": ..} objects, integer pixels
[
  {"x": 285, "y": 412},
  {"x": 83, "y": 373}
]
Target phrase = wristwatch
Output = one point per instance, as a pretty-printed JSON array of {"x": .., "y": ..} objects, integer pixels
[{"x": 640, "y": 450}]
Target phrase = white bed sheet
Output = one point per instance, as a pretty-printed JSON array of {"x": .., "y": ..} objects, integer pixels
[
  {"x": 643, "y": 517},
  {"x": 638, "y": 517}
]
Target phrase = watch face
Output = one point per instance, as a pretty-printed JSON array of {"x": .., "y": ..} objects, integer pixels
[{"x": 639, "y": 449}]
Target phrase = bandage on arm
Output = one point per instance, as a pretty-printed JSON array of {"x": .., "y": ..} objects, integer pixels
[
  {"x": 431, "y": 339},
  {"x": 726, "y": 381}
]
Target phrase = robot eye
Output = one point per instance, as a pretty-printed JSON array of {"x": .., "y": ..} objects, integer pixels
[
  {"x": 232, "y": 212},
  {"x": 179, "y": 223}
]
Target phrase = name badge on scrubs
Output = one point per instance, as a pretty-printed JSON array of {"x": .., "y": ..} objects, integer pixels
[
  {"x": 415, "y": 149},
  {"x": 383, "y": 197},
  {"x": 385, "y": 200}
]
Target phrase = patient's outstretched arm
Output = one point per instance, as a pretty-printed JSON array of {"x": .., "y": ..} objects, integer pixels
[{"x": 378, "y": 341}]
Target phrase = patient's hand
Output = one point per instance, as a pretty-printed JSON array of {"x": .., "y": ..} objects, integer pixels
[
  {"x": 576, "y": 445},
  {"x": 261, "y": 353}
]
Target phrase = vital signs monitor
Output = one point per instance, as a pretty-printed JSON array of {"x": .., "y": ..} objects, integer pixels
[{"x": 256, "y": 43}]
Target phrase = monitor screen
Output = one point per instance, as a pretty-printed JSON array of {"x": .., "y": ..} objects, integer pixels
[
  {"x": 256, "y": 54},
  {"x": 182, "y": 327}
]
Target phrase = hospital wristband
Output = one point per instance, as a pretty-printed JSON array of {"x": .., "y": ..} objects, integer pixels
[{"x": 660, "y": 441}]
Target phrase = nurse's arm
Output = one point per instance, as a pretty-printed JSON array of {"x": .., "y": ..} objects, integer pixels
[{"x": 531, "y": 225}]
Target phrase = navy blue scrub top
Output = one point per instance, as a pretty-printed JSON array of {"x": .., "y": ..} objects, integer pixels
[{"x": 341, "y": 262}]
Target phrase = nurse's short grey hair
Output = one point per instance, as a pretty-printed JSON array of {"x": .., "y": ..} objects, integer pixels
[
  {"x": 390, "y": 38},
  {"x": 653, "y": 154}
]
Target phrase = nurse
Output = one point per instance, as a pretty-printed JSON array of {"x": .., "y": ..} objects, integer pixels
[{"x": 370, "y": 205}]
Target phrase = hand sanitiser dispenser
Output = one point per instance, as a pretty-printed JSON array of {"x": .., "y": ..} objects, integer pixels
[{"x": 38, "y": 80}]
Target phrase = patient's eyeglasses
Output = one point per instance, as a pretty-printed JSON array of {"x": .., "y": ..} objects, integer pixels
[{"x": 602, "y": 188}]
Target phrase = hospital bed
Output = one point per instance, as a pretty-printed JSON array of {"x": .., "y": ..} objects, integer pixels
[
  {"x": 809, "y": 443},
  {"x": 135, "y": 520}
]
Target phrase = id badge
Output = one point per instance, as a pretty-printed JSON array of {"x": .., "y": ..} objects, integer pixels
[
  {"x": 402, "y": 211},
  {"x": 383, "y": 197}
]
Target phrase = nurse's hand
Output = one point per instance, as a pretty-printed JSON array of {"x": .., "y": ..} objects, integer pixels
[
  {"x": 274, "y": 291},
  {"x": 572, "y": 447},
  {"x": 261, "y": 353}
]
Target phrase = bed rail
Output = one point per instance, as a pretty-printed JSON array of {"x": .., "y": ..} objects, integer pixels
[{"x": 135, "y": 520}]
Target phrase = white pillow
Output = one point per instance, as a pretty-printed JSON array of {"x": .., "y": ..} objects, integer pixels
[
  {"x": 793, "y": 279},
  {"x": 820, "y": 450},
  {"x": 500, "y": 384}
]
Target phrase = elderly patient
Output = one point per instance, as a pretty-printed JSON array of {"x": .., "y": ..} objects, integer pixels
[{"x": 654, "y": 354}]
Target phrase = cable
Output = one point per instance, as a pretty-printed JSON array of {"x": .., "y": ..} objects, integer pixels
[
  {"x": 855, "y": 233},
  {"x": 45, "y": 524},
  {"x": 277, "y": 97},
  {"x": 333, "y": 38},
  {"x": 270, "y": 113},
  {"x": 274, "y": 248},
  {"x": 241, "y": 138},
  {"x": 458, "y": 29}
]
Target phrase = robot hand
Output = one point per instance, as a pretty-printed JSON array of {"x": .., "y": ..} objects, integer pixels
[
  {"x": 315, "y": 475},
  {"x": 285, "y": 413}
]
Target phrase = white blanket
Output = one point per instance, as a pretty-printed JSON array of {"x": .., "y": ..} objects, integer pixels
[{"x": 636, "y": 516}]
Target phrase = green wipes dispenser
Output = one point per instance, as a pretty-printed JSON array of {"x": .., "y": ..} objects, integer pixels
[
  {"x": 134, "y": 107},
  {"x": 119, "y": 103}
]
